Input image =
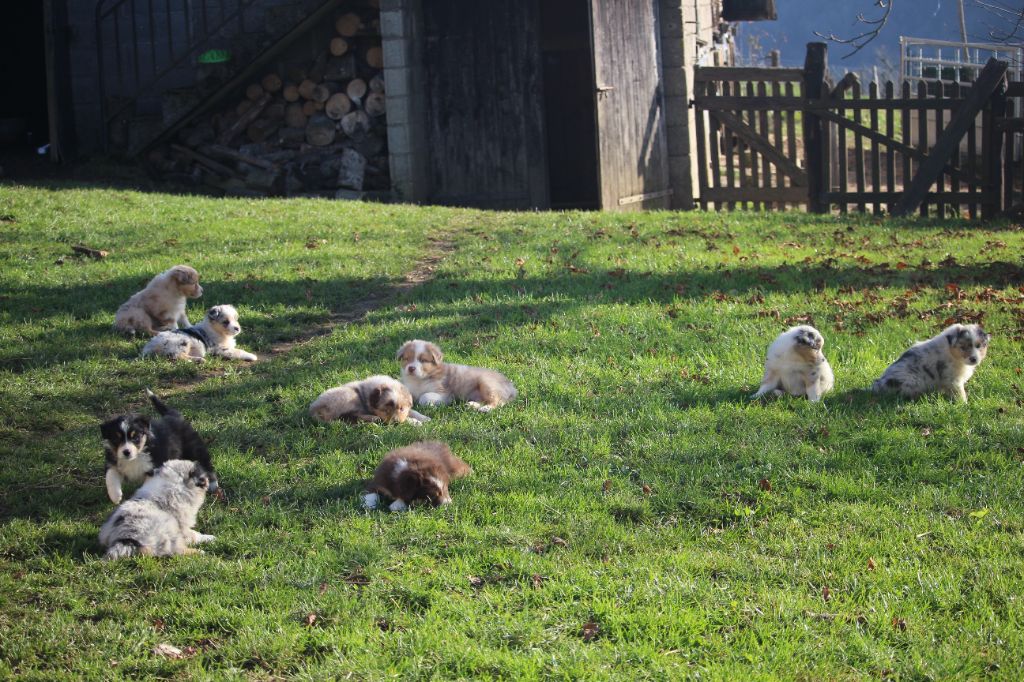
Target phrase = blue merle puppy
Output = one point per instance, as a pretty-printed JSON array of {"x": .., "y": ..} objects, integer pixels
[
  {"x": 943, "y": 363},
  {"x": 136, "y": 446}
]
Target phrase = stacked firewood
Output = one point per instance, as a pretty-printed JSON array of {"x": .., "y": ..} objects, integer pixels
[{"x": 315, "y": 129}]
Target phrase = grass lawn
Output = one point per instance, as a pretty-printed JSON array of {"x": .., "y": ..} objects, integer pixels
[{"x": 631, "y": 516}]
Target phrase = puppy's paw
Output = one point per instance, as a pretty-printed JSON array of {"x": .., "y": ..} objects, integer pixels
[
  {"x": 414, "y": 421},
  {"x": 202, "y": 537},
  {"x": 421, "y": 418},
  {"x": 398, "y": 505},
  {"x": 480, "y": 408},
  {"x": 371, "y": 500}
]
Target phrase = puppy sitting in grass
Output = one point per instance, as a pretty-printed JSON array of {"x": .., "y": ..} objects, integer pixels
[
  {"x": 417, "y": 472},
  {"x": 161, "y": 305},
  {"x": 214, "y": 335},
  {"x": 434, "y": 382},
  {"x": 376, "y": 399},
  {"x": 160, "y": 518},
  {"x": 942, "y": 363},
  {"x": 796, "y": 365}
]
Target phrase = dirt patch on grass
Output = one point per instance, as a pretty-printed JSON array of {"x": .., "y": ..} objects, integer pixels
[{"x": 438, "y": 249}]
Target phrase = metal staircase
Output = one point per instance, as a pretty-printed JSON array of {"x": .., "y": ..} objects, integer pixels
[{"x": 150, "y": 81}]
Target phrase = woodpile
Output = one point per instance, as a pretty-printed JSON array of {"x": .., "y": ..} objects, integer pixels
[{"x": 307, "y": 129}]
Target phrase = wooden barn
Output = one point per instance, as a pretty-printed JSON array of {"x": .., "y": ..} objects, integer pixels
[{"x": 516, "y": 105}]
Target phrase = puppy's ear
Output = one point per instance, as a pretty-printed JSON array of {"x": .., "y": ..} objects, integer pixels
[
  {"x": 184, "y": 275},
  {"x": 435, "y": 353},
  {"x": 110, "y": 426},
  {"x": 374, "y": 398},
  {"x": 401, "y": 350},
  {"x": 954, "y": 331},
  {"x": 214, "y": 313},
  {"x": 143, "y": 423}
]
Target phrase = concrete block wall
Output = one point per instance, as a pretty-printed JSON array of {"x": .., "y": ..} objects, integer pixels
[
  {"x": 401, "y": 25},
  {"x": 676, "y": 71}
]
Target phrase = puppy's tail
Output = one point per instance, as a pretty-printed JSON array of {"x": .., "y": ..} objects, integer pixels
[{"x": 163, "y": 408}]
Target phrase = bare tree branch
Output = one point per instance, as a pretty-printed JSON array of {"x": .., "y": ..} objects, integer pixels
[{"x": 859, "y": 42}]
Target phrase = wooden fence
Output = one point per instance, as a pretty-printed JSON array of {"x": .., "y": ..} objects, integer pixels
[{"x": 771, "y": 138}]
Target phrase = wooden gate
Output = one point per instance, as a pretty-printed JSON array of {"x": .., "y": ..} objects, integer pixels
[
  {"x": 749, "y": 150},
  {"x": 925, "y": 148}
]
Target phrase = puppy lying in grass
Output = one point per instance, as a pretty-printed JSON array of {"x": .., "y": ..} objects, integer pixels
[
  {"x": 796, "y": 365},
  {"x": 942, "y": 363},
  {"x": 214, "y": 335},
  {"x": 376, "y": 399},
  {"x": 160, "y": 518},
  {"x": 434, "y": 382},
  {"x": 417, "y": 472},
  {"x": 161, "y": 305}
]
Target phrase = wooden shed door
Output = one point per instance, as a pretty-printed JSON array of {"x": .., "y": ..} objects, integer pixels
[{"x": 631, "y": 143}]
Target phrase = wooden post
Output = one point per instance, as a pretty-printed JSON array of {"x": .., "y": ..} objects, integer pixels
[
  {"x": 774, "y": 58},
  {"x": 992, "y": 154},
  {"x": 815, "y": 68}
]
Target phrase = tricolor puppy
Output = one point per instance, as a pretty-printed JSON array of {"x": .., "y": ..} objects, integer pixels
[
  {"x": 434, "y": 382},
  {"x": 942, "y": 363},
  {"x": 161, "y": 305},
  {"x": 160, "y": 518},
  {"x": 376, "y": 399},
  {"x": 796, "y": 365},
  {"x": 421, "y": 471},
  {"x": 214, "y": 335},
  {"x": 135, "y": 447}
]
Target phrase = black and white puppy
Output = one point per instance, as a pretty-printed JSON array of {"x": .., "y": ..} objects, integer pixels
[
  {"x": 213, "y": 335},
  {"x": 160, "y": 518},
  {"x": 136, "y": 446},
  {"x": 942, "y": 363}
]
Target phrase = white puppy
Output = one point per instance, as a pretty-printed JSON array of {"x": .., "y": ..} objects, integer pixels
[
  {"x": 434, "y": 382},
  {"x": 214, "y": 335},
  {"x": 161, "y": 305},
  {"x": 376, "y": 399},
  {"x": 796, "y": 365},
  {"x": 160, "y": 518},
  {"x": 942, "y": 363}
]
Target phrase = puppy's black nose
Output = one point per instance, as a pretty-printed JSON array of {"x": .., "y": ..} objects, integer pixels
[
  {"x": 126, "y": 452},
  {"x": 201, "y": 482}
]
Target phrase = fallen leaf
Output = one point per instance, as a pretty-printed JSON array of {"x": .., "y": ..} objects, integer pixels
[
  {"x": 310, "y": 619},
  {"x": 559, "y": 541},
  {"x": 899, "y": 624},
  {"x": 322, "y": 588},
  {"x": 607, "y": 485},
  {"x": 826, "y": 593},
  {"x": 646, "y": 489},
  {"x": 590, "y": 631},
  {"x": 735, "y": 250},
  {"x": 265, "y": 500},
  {"x": 168, "y": 651},
  {"x": 926, "y": 432},
  {"x": 520, "y": 262},
  {"x": 537, "y": 579},
  {"x": 901, "y": 265},
  {"x": 765, "y": 485},
  {"x": 476, "y": 582},
  {"x": 871, "y": 564},
  {"x": 158, "y": 624},
  {"x": 313, "y": 243},
  {"x": 171, "y": 242}
]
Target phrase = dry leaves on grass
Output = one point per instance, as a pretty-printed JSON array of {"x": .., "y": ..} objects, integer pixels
[
  {"x": 590, "y": 631},
  {"x": 173, "y": 652}
]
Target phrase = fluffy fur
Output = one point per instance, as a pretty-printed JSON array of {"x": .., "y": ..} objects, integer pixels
[
  {"x": 135, "y": 447},
  {"x": 376, "y": 399},
  {"x": 432, "y": 381},
  {"x": 942, "y": 363},
  {"x": 161, "y": 305},
  {"x": 160, "y": 519},
  {"x": 421, "y": 471},
  {"x": 214, "y": 335},
  {"x": 796, "y": 365}
]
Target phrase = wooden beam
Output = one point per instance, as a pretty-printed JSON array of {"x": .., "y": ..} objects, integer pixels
[
  {"x": 963, "y": 118},
  {"x": 750, "y": 136},
  {"x": 742, "y": 73},
  {"x": 815, "y": 142},
  {"x": 844, "y": 85}
]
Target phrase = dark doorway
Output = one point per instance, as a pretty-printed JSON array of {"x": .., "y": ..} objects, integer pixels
[
  {"x": 569, "y": 104},
  {"x": 24, "y": 123}
]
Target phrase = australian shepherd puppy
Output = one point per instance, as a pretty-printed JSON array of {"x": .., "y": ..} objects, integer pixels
[
  {"x": 135, "y": 446},
  {"x": 161, "y": 305},
  {"x": 213, "y": 335},
  {"x": 160, "y": 518},
  {"x": 417, "y": 472},
  {"x": 796, "y": 365},
  {"x": 376, "y": 399},
  {"x": 432, "y": 381},
  {"x": 942, "y": 363}
]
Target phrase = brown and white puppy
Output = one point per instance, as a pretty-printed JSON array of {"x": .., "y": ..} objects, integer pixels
[
  {"x": 213, "y": 335},
  {"x": 795, "y": 365},
  {"x": 942, "y": 363},
  {"x": 376, "y": 399},
  {"x": 434, "y": 382},
  {"x": 161, "y": 305},
  {"x": 421, "y": 471}
]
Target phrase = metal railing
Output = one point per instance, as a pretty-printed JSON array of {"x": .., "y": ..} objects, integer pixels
[
  {"x": 944, "y": 61},
  {"x": 139, "y": 43}
]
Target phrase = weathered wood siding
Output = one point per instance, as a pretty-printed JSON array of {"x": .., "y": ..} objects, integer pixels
[
  {"x": 633, "y": 157},
  {"x": 484, "y": 111}
]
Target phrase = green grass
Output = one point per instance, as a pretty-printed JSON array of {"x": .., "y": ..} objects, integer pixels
[{"x": 888, "y": 546}]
